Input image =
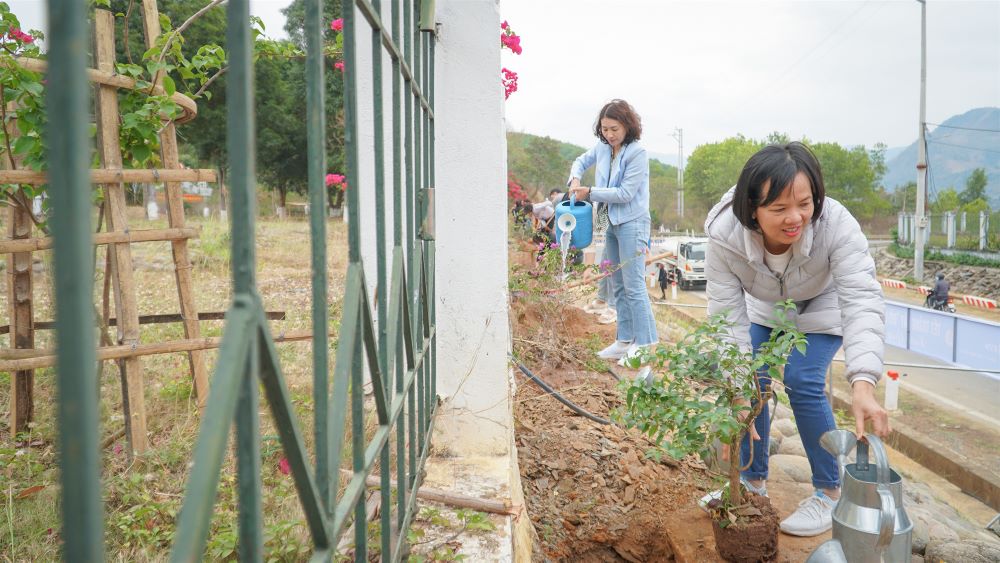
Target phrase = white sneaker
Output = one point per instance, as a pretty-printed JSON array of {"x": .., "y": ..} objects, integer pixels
[
  {"x": 596, "y": 307},
  {"x": 634, "y": 351},
  {"x": 813, "y": 517},
  {"x": 615, "y": 351},
  {"x": 717, "y": 494},
  {"x": 609, "y": 316}
]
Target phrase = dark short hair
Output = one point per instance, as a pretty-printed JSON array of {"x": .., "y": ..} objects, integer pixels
[
  {"x": 555, "y": 191},
  {"x": 778, "y": 164},
  {"x": 623, "y": 113}
]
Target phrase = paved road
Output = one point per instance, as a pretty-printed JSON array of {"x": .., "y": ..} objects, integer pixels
[{"x": 976, "y": 394}]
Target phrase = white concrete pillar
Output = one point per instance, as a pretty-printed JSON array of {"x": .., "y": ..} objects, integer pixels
[
  {"x": 984, "y": 224},
  {"x": 963, "y": 222},
  {"x": 900, "y": 231},
  {"x": 951, "y": 229}
]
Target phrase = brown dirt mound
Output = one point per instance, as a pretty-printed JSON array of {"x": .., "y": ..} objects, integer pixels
[
  {"x": 750, "y": 541},
  {"x": 591, "y": 493}
]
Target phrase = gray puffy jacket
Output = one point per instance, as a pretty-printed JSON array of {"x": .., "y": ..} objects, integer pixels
[{"x": 831, "y": 277}]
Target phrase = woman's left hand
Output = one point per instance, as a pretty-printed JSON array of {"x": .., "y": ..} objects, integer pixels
[
  {"x": 580, "y": 192},
  {"x": 865, "y": 407}
]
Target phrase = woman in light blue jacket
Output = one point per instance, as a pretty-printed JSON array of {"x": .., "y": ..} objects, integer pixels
[{"x": 621, "y": 191}]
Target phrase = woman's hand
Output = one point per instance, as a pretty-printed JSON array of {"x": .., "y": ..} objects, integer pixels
[
  {"x": 579, "y": 192},
  {"x": 574, "y": 183},
  {"x": 865, "y": 408}
]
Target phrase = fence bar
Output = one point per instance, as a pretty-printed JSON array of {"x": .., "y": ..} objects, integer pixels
[
  {"x": 76, "y": 374},
  {"x": 315, "y": 132}
]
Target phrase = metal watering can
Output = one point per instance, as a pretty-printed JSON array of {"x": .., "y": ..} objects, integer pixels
[
  {"x": 870, "y": 524},
  {"x": 577, "y": 218}
]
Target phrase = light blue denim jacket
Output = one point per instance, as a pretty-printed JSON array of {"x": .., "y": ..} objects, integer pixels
[{"x": 627, "y": 193}]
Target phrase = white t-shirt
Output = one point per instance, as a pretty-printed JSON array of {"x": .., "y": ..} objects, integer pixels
[
  {"x": 544, "y": 210},
  {"x": 777, "y": 263}
]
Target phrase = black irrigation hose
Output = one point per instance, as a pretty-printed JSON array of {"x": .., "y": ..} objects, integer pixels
[{"x": 560, "y": 398}]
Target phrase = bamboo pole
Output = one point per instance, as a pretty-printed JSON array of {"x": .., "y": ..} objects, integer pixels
[
  {"x": 175, "y": 215},
  {"x": 444, "y": 497},
  {"x": 588, "y": 280},
  {"x": 111, "y": 79},
  {"x": 43, "y": 358},
  {"x": 143, "y": 235},
  {"x": 110, "y": 175},
  {"x": 120, "y": 253},
  {"x": 156, "y": 319}
]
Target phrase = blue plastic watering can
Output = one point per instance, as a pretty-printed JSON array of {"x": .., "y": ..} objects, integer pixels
[{"x": 577, "y": 218}]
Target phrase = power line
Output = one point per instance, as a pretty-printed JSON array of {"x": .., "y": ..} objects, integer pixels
[
  {"x": 962, "y": 146},
  {"x": 964, "y": 128}
]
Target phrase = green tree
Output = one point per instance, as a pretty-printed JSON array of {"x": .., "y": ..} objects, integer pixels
[
  {"x": 850, "y": 177},
  {"x": 905, "y": 197},
  {"x": 334, "y": 95},
  {"x": 975, "y": 206},
  {"x": 975, "y": 187},
  {"x": 714, "y": 168},
  {"x": 946, "y": 200}
]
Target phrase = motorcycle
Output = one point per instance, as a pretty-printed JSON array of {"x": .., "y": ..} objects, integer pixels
[{"x": 948, "y": 306}]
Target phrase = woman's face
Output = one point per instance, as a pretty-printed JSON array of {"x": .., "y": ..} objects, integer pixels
[
  {"x": 613, "y": 131},
  {"x": 784, "y": 219}
]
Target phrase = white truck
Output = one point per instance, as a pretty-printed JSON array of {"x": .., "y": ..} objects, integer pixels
[{"x": 687, "y": 265}]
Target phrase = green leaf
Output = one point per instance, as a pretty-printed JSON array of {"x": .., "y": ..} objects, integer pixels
[{"x": 168, "y": 85}]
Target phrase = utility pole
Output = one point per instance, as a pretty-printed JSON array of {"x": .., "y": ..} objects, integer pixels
[
  {"x": 918, "y": 249},
  {"x": 679, "y": 135}
]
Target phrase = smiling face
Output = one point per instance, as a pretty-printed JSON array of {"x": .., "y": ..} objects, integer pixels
[
  {"x": 613, "y": 131},
  {"x": 783, "y": 220}
]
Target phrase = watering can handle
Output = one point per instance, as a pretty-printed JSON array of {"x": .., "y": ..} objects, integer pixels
[
  {"x": 887, "y": 511},
  {"x": 572, "y": 199}
]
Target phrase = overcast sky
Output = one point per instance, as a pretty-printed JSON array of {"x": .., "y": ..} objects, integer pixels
[{"x": 844, "y": 71}]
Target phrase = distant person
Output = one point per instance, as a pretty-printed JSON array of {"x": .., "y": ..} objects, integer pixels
[
  {"x": 776, "y": 236},
  {"x": 939, "y": 295},
  {"x": 664, "y": 280},
  {"x": 621, "y": 191},
  {"x": 556, "y": 195}
]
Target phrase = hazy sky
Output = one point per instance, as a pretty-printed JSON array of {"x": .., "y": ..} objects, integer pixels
[{"x": 844, "y": 71}]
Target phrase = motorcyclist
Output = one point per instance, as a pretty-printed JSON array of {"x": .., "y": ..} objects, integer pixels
[{"x": 938, "y": 297}]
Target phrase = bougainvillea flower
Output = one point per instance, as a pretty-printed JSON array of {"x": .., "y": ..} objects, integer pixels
[
  {"x": 339, "y": 65},
  {"x": 337, "y": 24}
]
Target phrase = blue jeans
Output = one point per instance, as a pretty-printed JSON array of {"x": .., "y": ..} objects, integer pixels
[
  {"x": 627, "y": 244},
  {"x": 604, "y": 291},
  {"x": 804, "y": 379}
]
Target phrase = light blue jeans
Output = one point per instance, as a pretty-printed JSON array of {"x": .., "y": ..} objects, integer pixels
[
  {"x": 627, "y": 244},
  {"x": 604, "y": 291},
  {"x": 805, "y": 377}
]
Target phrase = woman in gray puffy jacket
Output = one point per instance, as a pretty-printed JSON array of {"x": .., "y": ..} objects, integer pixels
[{"x": 775, "y": 236}]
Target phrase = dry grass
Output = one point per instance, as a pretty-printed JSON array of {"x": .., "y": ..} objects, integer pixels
[{"x": 142, "y": 496}]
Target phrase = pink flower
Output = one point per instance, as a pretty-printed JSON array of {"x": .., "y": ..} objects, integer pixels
[
  {"x": 21, "y": 36},
  {"x": 509, "y": 81},
  {"x": 511, "y": 41},
  {"x": 284, "y": 467},
  {"x": 117, "y": 449},
  {"x": 337, "y": 24},
  {"x": 605, "y": 265},
  {"x": 332, "y": 179},
  {"x": 339, "y": 65},
  {"x": 504, "y": 25}
]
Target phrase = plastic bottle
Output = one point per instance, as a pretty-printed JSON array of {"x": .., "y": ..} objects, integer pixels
[{"x": 892, "y": 391}]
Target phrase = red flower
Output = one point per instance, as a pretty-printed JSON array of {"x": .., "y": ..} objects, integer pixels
[
  {"x": 339, "y": 65},
  {"x": 337, "y": 24},
  {"x": 284, "y": 467},
  {"x": 504, "y": 25},
  {"x": 332, "y": 179}
]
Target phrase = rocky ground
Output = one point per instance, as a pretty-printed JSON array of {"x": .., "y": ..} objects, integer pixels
[{"x": 972, "y": 280}]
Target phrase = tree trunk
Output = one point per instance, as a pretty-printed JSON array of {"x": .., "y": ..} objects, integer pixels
[{"x": 282, "y": 195}]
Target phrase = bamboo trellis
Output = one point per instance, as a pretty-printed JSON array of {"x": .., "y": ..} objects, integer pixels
[{"x": 22, "y": 358}]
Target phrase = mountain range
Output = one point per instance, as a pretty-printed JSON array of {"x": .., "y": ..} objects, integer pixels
[{"x": 954, "y": 149}]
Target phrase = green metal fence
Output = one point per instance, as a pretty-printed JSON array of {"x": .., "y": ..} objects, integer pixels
[{"x": 397, "y": 352}]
